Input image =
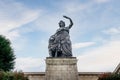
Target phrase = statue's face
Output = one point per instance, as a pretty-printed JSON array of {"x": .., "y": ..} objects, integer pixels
[{"x": 62, "y": 24}]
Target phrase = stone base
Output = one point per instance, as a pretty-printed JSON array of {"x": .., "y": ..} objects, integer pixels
[{"x": 61, "y": 69}]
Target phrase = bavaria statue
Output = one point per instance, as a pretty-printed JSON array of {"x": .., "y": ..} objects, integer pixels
[{"x": 60, "y": 43}]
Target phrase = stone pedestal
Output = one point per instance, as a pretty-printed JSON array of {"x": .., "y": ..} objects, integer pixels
[{"x": 61, "y": 69}]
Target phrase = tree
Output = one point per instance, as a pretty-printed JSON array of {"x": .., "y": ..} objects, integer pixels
[{"x": 7, "y": 56}]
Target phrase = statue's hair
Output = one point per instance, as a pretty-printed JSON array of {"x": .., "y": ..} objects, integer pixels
[{"x": 62, "y": 21}]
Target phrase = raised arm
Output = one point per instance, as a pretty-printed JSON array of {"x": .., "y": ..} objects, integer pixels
[{"x": 71, "y": 23}]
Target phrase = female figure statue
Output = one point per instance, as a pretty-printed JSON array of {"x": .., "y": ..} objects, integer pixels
[{"x": 59, "y": 43}]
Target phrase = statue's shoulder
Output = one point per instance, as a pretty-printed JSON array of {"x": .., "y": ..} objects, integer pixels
[{"x": 59, "y": 29}]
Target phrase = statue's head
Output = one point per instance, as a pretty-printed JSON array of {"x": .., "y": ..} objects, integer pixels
[{"x": 62, "y": 23}]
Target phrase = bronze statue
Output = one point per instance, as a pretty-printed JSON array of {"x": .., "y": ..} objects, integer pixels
[{"x": 59, "y": 43}]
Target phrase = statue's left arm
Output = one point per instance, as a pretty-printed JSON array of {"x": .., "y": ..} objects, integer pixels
[{"x": 71, "y": 22}]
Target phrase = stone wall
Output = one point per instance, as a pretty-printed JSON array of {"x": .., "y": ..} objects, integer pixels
[
  {"x": 35, "y": 75},
  {"x": 89, "y": 75},
  {"x": 81, "y": 75}
]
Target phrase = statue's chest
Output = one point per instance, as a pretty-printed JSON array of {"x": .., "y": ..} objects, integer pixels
[{"x": 62, "y": 31}]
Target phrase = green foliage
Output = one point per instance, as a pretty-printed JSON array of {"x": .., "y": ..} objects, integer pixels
[
  {"x": 7, "y": 56},
  {"x": 12, "y": 76},
  {"x": 109, "y": 76}
]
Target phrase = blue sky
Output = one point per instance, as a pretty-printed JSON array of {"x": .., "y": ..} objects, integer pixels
[{"x": 95, "y": 34}]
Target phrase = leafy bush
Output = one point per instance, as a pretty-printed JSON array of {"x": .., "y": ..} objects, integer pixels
[
  {"x": 109, "y": 76},
  {"x": 12, "y": 76}
]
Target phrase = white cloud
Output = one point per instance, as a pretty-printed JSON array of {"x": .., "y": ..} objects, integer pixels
[
  {"x": 112, "y": 31},
  {"x": 82, "y": 45},
  {"x": 19, "y": 44},
  {"x": 103, "y": 58},
  {"x": 29, "y": 64},
  {"x": 14, "y": 15},
  {"x": 12, "y": 35},
  {"x": 101, "y": 1},
  {"x": 75, "y": 7},
  {"x": 48, "y": 23}
]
